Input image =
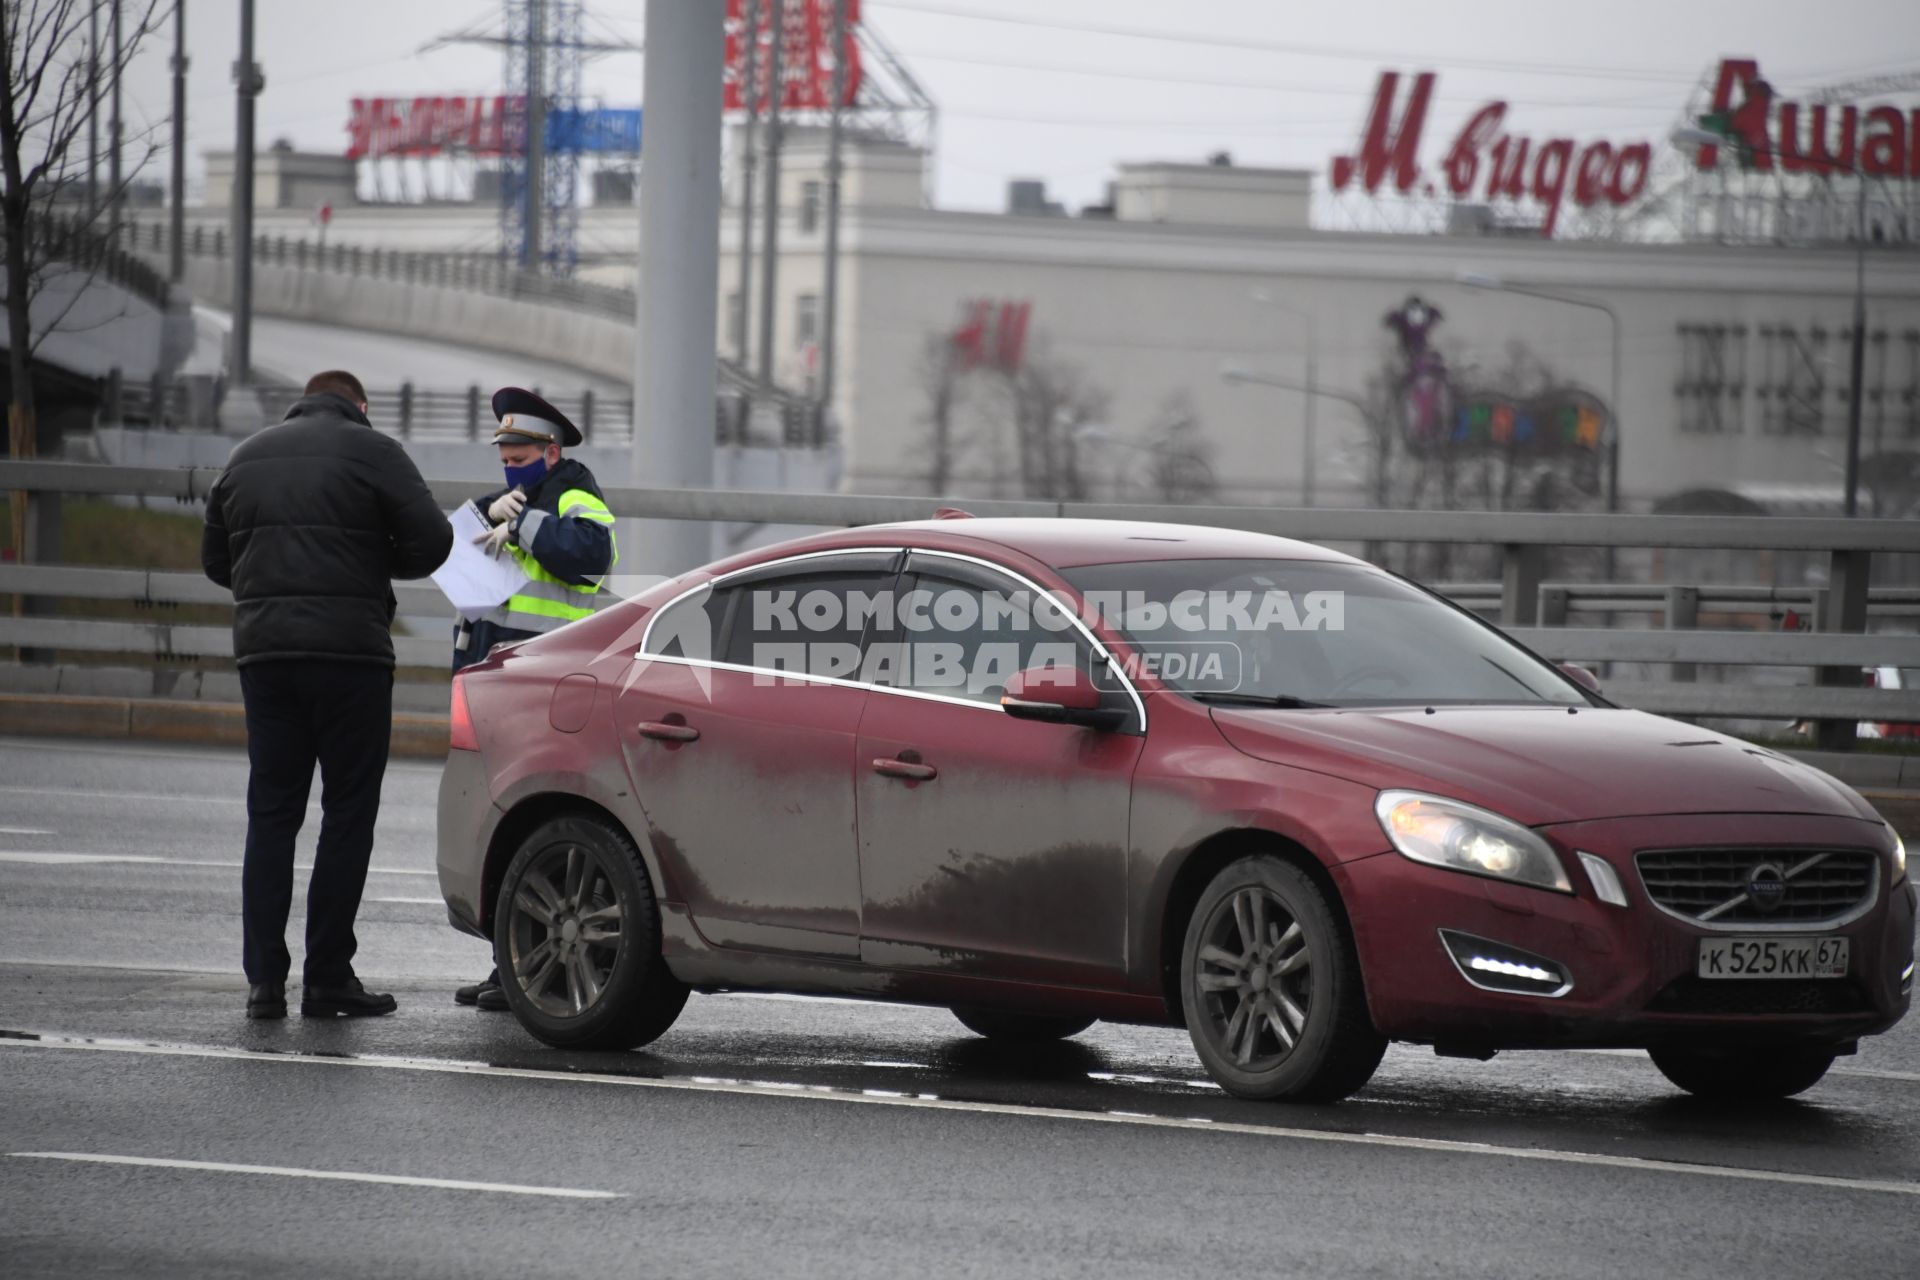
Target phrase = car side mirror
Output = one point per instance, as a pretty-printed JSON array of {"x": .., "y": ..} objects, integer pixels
[
  {"x": 1580, "y": 676},
  {"x": 1059, "y": 695}
]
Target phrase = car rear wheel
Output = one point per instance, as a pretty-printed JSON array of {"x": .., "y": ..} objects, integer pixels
[
  {"x": 1019, "y": 1028},
  {"x": 577, "y": 940},
  {"x": 1747, "y": 1075},
  {"x": 1271, "y": 987}
]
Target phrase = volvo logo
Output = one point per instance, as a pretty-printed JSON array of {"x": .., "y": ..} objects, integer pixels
[{"x": 1766, "y": 887}]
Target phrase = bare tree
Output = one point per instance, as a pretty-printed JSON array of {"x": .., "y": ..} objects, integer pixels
[
  {"x": 1047, "y": 402},
  {"x": 51, "y": 89},
  {"x": 940, "y": 378}
]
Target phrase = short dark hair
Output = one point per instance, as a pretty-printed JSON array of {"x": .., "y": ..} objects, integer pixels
[{"x": 337, "y": 382}]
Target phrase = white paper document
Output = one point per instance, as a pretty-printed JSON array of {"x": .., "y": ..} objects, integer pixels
[{"x": 473, "y": 580}]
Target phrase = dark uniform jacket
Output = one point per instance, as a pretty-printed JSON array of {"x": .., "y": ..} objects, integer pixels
[
  {"x": 568, "y": 543},
  {"x": 309, "y": 524}
]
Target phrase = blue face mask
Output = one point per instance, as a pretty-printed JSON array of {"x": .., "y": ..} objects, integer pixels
[{"x": 528, "y": 476}]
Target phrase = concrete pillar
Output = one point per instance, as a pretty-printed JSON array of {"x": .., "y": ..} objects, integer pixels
[{"x": 676, "y": 362}]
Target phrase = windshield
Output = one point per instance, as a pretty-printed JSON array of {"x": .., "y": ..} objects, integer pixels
[{"x": 1309, "y": 633}]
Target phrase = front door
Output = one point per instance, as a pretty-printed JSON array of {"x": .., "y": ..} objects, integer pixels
[{"x": 988, "y": 845}]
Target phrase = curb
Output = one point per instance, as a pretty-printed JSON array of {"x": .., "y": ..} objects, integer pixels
[{"x": 416, "y": 736}]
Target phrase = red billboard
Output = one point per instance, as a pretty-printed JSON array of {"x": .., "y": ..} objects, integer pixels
[
  {"x": 1485, "y": 161},
  {"x": 806, "y": 54},
  {"x": 430, "y": 126}
]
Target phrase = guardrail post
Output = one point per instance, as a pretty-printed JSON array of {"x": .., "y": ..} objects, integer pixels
[
  {"x": 586, "y": 415},
  {"x": 406, "y": 409},
  {"x": 1843, "y": 610},
  {"x": 1554, "y": 605},
  {"x": 473, "y": 411},
  {"x": 1522, "y": 565},
  {"x": 1683, "y": 614}
]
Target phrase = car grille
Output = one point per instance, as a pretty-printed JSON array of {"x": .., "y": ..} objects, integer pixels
[
  {"x": 1710, "y": 886},
  {"x": 1799, "y": 995}
]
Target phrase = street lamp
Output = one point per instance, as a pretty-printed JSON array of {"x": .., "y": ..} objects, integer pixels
[
  {"x": 1237, "y": 375},
  {"x": 1688, "y": 138},
  {"x": 1266, "y": 299}
]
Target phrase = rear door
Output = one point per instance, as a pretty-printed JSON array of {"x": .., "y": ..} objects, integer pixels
[
  {"x": 742, "y": 755},
  {"x": 989, "y": 845}
]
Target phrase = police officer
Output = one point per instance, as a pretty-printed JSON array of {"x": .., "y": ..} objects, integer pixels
[{"x": 554, "y": 522}]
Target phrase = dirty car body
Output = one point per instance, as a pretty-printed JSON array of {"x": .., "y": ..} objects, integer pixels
[{"x": 1401, "y": 828}]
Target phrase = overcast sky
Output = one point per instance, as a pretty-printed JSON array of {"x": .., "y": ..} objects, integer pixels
[{"x": 1056, "y": 90}]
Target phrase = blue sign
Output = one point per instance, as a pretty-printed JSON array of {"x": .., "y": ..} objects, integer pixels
[{"x": 595, "y": 131}]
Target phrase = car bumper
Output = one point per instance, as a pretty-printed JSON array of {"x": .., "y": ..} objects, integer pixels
[
  {"x": 1631, "y": 971},
  {"x": 466, "y": 820}
]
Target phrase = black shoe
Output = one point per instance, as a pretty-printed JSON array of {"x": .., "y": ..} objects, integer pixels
[
  {"x": 267, "y": 1000},
  {"x": 348, "y": 1000},
  {"x": 492, "y": 999},
  {"x": 472, "y": 994}
]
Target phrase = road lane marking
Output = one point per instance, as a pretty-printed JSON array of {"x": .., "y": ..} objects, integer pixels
[
  {"x": 28, "y": 1040},
  {"x": 24, "y": 831},
  {"x": 327, "y": 1175},
  {"x": 51, "y": 857},
  {"x": 413, "y": 902}
]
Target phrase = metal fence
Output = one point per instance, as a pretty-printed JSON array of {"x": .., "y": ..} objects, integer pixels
[
  {"x": 747, "y": 411},
  {"x": 1831, "y": 658}
]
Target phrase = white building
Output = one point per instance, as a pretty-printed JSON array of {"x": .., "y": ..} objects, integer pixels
[{"x": 1733, "y": 361}]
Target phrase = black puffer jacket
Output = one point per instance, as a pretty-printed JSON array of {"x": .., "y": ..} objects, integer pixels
[{"x": 309, "y": 524}]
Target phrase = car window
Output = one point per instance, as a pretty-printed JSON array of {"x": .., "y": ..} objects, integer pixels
[
  {"x": 691, "y": 626},
  {"x": 965, "y": 636},
  {"x": 1311, "y": 632},
  {"x": 809, "y": 622}
]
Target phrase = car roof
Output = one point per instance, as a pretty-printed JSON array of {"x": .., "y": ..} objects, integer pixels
[{"x": 1072, "y": 542}]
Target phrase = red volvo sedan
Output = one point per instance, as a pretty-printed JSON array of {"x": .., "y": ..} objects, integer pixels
[{"x": 1044, "y": 772}]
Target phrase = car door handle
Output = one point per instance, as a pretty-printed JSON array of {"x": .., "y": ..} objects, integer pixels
[
  {"x": 911, "y": 770},
  {"x": 662, "y": 731}
]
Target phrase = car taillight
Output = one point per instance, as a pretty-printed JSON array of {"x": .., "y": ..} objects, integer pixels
[{"x": 460, "y": 735}]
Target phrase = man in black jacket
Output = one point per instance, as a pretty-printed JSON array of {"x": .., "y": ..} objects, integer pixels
[{"x": 308, "y": 525}]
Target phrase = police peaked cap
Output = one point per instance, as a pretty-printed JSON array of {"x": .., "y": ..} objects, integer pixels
[{"x": 527, "y": 419}]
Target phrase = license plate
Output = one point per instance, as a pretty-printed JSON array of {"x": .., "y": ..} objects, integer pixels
[{"x": 1773, "y": 957}]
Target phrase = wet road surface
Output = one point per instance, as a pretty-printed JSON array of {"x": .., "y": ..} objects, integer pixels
[{"x": 146, "y": 1127}]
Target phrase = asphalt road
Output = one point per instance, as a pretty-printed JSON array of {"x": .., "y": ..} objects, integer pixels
[{"x": 147, "y": 1128}]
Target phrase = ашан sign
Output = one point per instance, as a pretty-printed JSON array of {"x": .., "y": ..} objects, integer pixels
[{"x": 1485, "y": 160}]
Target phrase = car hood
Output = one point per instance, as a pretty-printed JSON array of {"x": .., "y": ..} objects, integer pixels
[{"x": 1542, "y": 765}]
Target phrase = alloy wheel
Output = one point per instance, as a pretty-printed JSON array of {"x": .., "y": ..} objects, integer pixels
[
  {"x": 1255, "y": 979},
  {"x": 565, "y": 930}
]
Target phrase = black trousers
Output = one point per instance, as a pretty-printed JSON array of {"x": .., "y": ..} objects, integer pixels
[{"x": 301, "y": 712}]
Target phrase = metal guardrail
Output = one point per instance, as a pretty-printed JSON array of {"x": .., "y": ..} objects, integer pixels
[{"x": 1528, "y": 607}]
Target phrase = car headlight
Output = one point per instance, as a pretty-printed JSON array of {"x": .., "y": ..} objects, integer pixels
[
  {"x": 1460, "y": 837},
  {"x": 1899, "y": 857}
]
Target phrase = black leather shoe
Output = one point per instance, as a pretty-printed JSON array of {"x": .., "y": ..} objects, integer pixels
[
  {"x": 476, "y": 993},
  {"x": 492, "y": 999},
  {"x": 267, "y": 1000},
  {"x": 348, "y": 1000}
]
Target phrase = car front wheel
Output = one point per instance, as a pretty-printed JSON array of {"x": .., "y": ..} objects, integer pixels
[
  {"x": 1271, "y": 987},
  {"x": 577, "y": 940},
  {"x": 1750, "y": 1075}
]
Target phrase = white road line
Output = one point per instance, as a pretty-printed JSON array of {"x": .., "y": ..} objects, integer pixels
[
  {"x": 827, "y": 1093},
  {"x": 63, "y": 857},
  {"x": 413, "y": 902},
  {"x": 329, "y": 1175},
  {"x": 24, "y": 831}
]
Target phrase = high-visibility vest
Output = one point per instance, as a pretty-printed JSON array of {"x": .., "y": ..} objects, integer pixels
[{"x": 547, "y": 603}]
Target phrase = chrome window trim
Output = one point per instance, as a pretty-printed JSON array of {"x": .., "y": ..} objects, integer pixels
[
  {"x": 1100, "y": 650},
  {"x": 1867, "y": 904}
]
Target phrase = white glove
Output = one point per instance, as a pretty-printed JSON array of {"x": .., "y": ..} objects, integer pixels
[
  {"x": 494, "y": 540},
  {"x": 507, "y": 506}
]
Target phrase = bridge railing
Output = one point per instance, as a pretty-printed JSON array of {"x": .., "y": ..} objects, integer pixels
[{"x": 1833, "y": 657}]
